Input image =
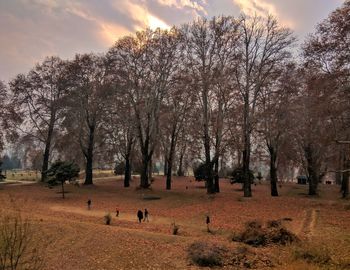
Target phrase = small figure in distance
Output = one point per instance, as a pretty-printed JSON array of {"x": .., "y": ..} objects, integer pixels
[
  {"x": 146, "y": 215},
  {"x": 117, "y": 212},
  {"x": 89, "y": 204},
  {"x": 140, "y": 215},
  {"x": 207, "y": 222}
]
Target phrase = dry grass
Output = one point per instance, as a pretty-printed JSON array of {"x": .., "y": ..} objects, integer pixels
[
  {"x": 80, "y": 239},
  {"x": 23, "y": 175}
]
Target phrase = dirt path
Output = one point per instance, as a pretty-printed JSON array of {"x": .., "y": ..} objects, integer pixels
[
  {"x": 187, "y": 228},
  {"x": 101, "y": 213},
  {"x": 309, "y": 223}
]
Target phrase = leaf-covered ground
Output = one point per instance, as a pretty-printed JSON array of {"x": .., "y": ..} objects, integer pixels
[{"x": 78, "y": 239}]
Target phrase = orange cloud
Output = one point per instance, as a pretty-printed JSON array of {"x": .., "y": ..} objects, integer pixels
[
  {"x": 262, "y": 8},
  {"x": 198, "y": 6}
]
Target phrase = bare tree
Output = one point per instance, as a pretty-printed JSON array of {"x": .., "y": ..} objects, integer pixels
[
  {"x": 90, "y": 89},
  {"x": 38, "y": 99},
  {"x": 310, "y": 124},
  {"x": 3, "y": 112},
  {"x": 264, "y": 45},
  {"x": 19, "y": 248},
  {"x": 327, "y": 53},
  {"x": 145, "y": 64},
  {"x": 274, "y": 115},
  {"x": 175, "y": 111},
  {"x": 119, "y": 129},
  {"x": 211, "y": 50}
]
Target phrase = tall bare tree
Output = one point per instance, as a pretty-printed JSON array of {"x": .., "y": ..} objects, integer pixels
[
  {"x": 327, "y": 54},
  {"x": 90, "y": 90},
  {"x": 211, "y": 50},
  {"x": 145, "y": 64},
  {"x": 264, "y": 46},
  {"x": 39, "y": 101},
  {"x": 119, "y": 126},
  {"x": 175, "y": 111},
  {"x": 3, "y": 112},
  {"x": 274, "y": 113}
]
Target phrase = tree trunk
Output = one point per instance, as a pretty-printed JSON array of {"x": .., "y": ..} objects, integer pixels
[
  {"x": 312, "y": 170},
  {"x": 208, "y": 166},
  {"x": 345, "y": 182},
  {"x": 170, "y": 159},
  {"x": 165, "y": 169},
  {"x": 312, "y": 185},
  {"x": 239, "y": 158},
  {"x": 89, "y": 157},
  {"x": 273, "y": 171},
  {"x": 144, "y": 173},
  {"x": 127, "y": 171},
  {"x": 180, "y": 171},
  {"x": 46, "y": 155},
  {"x": 168, "y": 176},
  {"x": 150, "y": 170},
  {"x": 339, "y": 175},
  {"x": 346, "y": 185},
  {"x": 62, "y": 182},
  {"x": 246, "y": 152},
  {"x": 206, "y": 138},
  {"x": 216, "y": 176}
]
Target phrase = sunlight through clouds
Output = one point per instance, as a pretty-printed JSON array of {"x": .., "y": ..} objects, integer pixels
[
  {"x": 111, "y": 32},
  {"x": 33, "y": 29},
  {"x": 258, "y": 7},
  {"x": 261, "y": 8},
  {"x": 199, "y": 6},
  {"x": 154, "y": 23}
]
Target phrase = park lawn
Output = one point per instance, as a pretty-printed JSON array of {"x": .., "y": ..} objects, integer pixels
[
  {"x": 32, "y": 175},
  {"x": 78, "y": 239},
  {"x": 22, "y": 175}
]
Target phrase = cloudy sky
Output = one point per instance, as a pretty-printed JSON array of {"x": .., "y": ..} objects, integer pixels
[{"x": 33, "y": 29}]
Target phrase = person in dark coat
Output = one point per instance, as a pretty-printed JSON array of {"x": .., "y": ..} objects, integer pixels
[
  {"x": 140, "y": 215},
  {"x": 89, "y": 204},
  {"x": 207, "y": 221},
  {"x": 146, "y": 215}
]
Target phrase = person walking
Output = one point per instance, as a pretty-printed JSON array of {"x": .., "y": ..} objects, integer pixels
[
  {"x": 207, "y": 221},
  {"x": 140, "y": 215},
  {"x": 89, "y": 204},
  {"x": 146, "y": 215}
]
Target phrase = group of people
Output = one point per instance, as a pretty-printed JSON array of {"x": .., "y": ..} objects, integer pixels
[
  {"x": 144, "y": 215},
  {"x": 140, "y": 215}
]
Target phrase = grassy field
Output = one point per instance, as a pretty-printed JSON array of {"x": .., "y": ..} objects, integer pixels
[
  {"x": 32, "y": 175},
  {"x": 78, "y": 238},
  {"x": 22, "y": 175}
]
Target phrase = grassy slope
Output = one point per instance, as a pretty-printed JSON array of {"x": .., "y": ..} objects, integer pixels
[{"x": 80, "y": 240}]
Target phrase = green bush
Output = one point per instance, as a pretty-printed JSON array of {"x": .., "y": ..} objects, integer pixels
[
  {"x": 62, "y": 171},
  {"x": 2, "y": 177},
  {"x": 238, "y": 176},
  {"x": 119, "y": 168},
  {"x": 200, "y": 172}
]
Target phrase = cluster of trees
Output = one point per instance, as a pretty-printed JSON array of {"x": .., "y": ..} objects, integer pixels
[{"x": 223, "y": 90}]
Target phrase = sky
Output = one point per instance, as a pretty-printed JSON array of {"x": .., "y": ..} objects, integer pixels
[{"x": 30, "y": 30}]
